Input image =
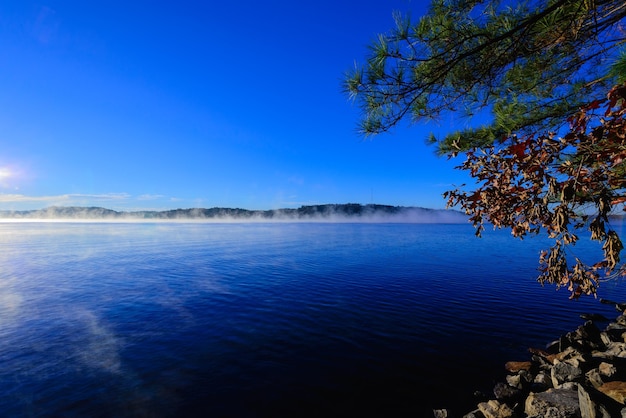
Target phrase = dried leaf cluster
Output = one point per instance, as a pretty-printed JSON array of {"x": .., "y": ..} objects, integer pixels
[{"x": 557, "y": 185}]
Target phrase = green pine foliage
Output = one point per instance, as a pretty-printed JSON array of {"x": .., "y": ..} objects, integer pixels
[{"x": 530, "y": 64}]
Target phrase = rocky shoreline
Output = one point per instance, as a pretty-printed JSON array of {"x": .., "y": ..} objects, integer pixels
[{"x": 582, "y": 374}]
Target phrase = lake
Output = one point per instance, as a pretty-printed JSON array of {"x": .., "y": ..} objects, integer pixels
[{"x": 268, "y": 319}]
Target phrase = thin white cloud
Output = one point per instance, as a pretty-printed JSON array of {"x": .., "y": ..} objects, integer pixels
[
  {"x": 106, "y": 196},
  {"x": 9, "y": 198},
  {"x": 150, "y": 197},
  {"x": 12, "y": 198}
]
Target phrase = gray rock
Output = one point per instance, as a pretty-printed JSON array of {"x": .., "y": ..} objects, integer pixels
[
  {"x": 557, "y": 403},
  {"x": 587, "y": 406},
  {"x": 563, "y": 372},
  {"x": 542, "y": 381},
  {"x": 506, "y": 393},
  {"x": 594, "y": 378}
]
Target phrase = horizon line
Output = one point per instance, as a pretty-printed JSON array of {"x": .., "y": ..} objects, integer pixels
[{"x": 381, "y": 205}]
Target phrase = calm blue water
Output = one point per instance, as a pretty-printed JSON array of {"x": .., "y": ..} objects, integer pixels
[{"x": 267, "y": 320}]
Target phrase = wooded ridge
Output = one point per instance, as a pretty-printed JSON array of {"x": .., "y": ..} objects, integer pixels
[{"x": 325, "y": 211}]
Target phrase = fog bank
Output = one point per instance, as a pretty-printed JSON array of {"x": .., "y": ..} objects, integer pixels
[{"x": 351, "y": 212}]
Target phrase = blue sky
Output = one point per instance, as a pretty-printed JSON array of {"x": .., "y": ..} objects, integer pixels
[{"x": 160, "y": 105}]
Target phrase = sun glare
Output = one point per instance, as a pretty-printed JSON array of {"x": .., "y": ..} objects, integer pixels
[
  {"x": 10, "y": 176},
  {"x": 5, "y": 173}
]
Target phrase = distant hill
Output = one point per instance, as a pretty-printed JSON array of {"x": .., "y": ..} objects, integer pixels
[{"x": 328, "y": 212}]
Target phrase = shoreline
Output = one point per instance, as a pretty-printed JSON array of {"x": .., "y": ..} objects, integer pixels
[{"x": 580, "y": 374}]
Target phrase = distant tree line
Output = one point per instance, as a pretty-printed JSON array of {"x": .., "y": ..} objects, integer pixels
[{"x": 352, "y": 210}]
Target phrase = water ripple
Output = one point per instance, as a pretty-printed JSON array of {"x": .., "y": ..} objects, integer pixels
[{"x": 263, "y": 319}]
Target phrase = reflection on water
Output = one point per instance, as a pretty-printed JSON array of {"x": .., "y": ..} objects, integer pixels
[{"x": 250, "y": 320}]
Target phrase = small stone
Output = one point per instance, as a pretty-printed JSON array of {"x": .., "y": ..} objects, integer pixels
[
  {"x": 563, "y": 372},
  {"x": 514, "y": 380},
  {"x": 553, "y": 346},
  {"x": 594, "y": 377},
  {"x": 606, "y": 338},
  {"x": 495, "y": 409},
  {"x": 505, "y": 392},
  {"x": 575, "y": 361},
  {"x": 525, "y": 377},
  {"x": 568, "y": 353},
  {"x": 607, "y": 369},
  {"x": 542, "y": 382},
  {"x": 516, "y": 366}
]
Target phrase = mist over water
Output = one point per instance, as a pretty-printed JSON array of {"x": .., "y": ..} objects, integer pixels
[
  {"x": 328, "y": 213},
  {"x": 266, "y": 319}
]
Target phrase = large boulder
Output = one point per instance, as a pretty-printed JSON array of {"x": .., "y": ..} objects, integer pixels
[
  {"x": 553, "y": 403},
  {"x": 615, "y": 390}
]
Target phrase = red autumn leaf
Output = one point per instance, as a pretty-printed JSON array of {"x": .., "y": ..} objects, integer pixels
[
  {"x": 474, "y": 197},
  {"x": 619, "y": 200},
  {"x": 594, "y": 105},
  {"x": 518, "y": 150}
]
